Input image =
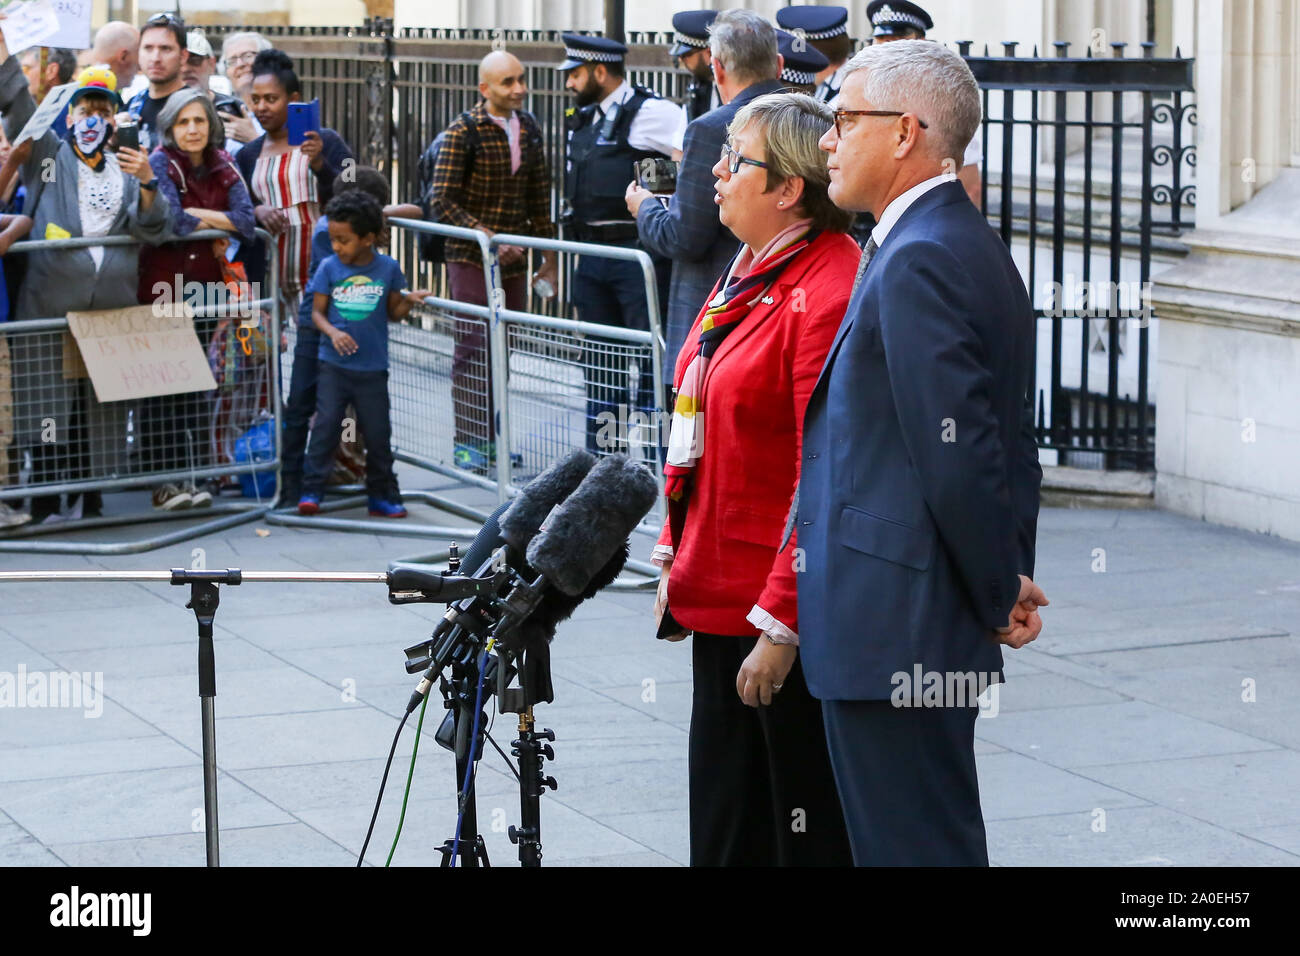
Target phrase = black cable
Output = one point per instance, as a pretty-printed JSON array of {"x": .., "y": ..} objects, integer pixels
[
  {"x": 382, "y": 783},
  {"x": 488, "y": 733}
]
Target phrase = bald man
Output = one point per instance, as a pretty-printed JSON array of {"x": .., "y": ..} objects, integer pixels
[
  {"x": 116, "y": 43},
  {"x": 488, "y": 171}
]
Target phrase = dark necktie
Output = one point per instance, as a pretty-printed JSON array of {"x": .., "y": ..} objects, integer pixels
[{"x": 868, "y": 253}]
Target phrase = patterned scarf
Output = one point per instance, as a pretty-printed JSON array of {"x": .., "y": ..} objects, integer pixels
[{"x": 726, "y": 310}]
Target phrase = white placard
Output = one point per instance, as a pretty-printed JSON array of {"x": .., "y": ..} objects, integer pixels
[
  {"x": 74, "y": 24},
  {"x": 46, "y": 113},
  {"x": 28, "y": 24}
]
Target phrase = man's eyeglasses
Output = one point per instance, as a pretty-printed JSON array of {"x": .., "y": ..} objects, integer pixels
[
  {"x": 164, "y": 20},
  {"x": 248, "y": 57},
  {"x": 733, "y": 159},
  {"x": 840, "y": 114}
]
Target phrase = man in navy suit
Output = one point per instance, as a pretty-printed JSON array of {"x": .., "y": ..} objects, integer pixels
[
  {"x": 918, "y": 498},
  {"x": 746, "y": 65}
]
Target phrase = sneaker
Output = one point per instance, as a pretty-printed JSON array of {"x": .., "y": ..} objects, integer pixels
[
  {"x": 171, "y": 497},
  {"x": 11, "y": 518},
  {"x": 385, "y": 509},
  {"x": 199, "y": 497},
  {"x": 309, "y": 505},
  {"x": 470, "y": 457}
]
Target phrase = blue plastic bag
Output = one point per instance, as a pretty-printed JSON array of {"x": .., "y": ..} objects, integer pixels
[{"x": 257, "y": 444}]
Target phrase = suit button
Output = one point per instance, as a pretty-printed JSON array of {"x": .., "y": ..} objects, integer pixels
[
  {"x": 805, "y": 523},
  {"x": 812, "y": 455}
]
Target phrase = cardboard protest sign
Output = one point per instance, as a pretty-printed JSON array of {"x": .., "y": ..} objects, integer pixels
[{"x": 140, "y": 351}]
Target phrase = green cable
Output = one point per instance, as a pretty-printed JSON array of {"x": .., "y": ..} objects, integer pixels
[{"x": 409, "y": 775}]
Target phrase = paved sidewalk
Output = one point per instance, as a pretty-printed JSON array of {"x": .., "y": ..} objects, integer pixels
[{"x": 1156, "y": 720}]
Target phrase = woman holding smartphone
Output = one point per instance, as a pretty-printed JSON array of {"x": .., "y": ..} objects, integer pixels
[{"x": 289, "y": 183}]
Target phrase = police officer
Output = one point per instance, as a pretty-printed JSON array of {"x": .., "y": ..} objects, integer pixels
[
  {"x": 800, "y": 62},
  {"x": 612, "y": 126},
  {"x": 901, "y": 20},
  {"x": 897, "y": 20},
  {"x": 691, "y": 50},
  {"x": 826, "y": 29}
]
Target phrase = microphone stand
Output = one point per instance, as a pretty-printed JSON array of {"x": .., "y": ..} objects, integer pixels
[{"x": 459, "y": 697}]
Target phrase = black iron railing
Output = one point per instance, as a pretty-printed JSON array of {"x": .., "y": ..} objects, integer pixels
[{"x": 1088, "y": 163}]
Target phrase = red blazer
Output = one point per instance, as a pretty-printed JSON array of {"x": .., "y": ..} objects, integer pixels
[{"x": 758, "y": 385}]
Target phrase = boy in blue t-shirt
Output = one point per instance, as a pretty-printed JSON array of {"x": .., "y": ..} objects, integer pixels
[
  {"x": 301, "y": 403},
  {"x": 355, "y": 293}
]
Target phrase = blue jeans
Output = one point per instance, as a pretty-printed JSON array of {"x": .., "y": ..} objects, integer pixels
[{"x": 300, "y": 406}]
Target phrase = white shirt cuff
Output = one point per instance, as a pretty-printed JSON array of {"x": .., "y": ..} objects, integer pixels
[
  {"x": 769, "y": 625},
  {"x": 661, "y": 555}
]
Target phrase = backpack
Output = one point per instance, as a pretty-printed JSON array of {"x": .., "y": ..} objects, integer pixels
[{"x": 433, "y": 248}]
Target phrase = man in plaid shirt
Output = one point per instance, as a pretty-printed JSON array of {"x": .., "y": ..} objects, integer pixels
[{"x": 494, "y": 178}]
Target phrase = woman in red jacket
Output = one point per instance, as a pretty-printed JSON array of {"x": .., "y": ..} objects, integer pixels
[{"x": 761, "y": 789}]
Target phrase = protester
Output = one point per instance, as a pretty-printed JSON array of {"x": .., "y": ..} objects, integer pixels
[
  {"x": 301, "y": 403},
  {"x": 205, "y": 191},
  {"x": 162, "y": 54},
  {"x": 742, "y": 379},
  {"x": 76, "y": 188},
  {"x": 492, "y": 175},
  {"x": 12, "y": 228},
  {"x": 356, "y": 292},
  {"x": 745, "y": 66},
  {"x": 117, "y": 46},
  {"x": 60, "y": 65},
  {"x": 200, "y": 63},
  {"x": 289, "y": 184},
  {"x": 918, "y": 498},
  {"x": 238, "y": 50}
]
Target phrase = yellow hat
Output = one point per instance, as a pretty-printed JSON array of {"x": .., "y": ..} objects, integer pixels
[{"x": 97, "y": 79}]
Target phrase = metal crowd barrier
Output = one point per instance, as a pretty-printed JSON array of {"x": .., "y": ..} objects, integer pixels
[
  {"x": 554, "y": 383},
  {"x": 133, "y": 443},
  {"x": 542, "y": 376}
]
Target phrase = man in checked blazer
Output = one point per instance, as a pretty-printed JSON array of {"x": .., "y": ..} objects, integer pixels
[
  {"x": 918, "y": 495},
  {"x": 745, "y": 65}
]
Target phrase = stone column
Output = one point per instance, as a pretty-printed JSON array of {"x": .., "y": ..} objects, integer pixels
[{"x": 1228, "y": 402}]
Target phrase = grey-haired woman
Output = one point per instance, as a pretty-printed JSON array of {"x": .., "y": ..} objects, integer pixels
[{"x": 205, "y": 191}]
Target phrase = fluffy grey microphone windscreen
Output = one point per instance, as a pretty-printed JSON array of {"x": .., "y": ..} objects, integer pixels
[
  {"x": 593, "y": 523},
  {"x": 519, "y": 522}
]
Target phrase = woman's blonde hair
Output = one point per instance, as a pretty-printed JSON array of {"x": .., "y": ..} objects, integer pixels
[{"x": 792, "y": 124}]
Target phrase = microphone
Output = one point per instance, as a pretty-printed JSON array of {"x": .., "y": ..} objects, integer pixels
[
  {"x": 530, "y": 508},
  {"x": 593, "y": 524},
  {"x": 514, "y": 524},
  {"x": 580, "y": 549}
]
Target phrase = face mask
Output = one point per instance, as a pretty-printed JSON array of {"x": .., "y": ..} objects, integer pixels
[{"x": 90, "y": 133}]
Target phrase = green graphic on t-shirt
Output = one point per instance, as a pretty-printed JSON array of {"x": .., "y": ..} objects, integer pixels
[{"x": 356, "y": 297}]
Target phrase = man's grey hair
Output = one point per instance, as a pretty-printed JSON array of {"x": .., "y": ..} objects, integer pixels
[
  {"x": 66, "y": 60},
  {"x": 929, "y": 80},
  {"x": 260, "y": 43},
  {"x": 177, "y": 102},
  {"x": 746, "y": 44}
]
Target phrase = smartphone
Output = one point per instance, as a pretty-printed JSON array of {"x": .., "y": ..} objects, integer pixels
[
  {"x": 303, "y": 118},
  {"x": 128, "y": 136},
  {"x": 659, "y": 176}
]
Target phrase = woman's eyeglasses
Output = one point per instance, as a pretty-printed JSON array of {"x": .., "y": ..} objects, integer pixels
[
  {"x": 732, "y": 159},
  {"x": 840, "y": 114}
]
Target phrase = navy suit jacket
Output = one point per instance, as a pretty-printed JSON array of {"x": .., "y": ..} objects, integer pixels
[
  {"x": 918, "y": 501},
  {"x": 688, "y": 231}
]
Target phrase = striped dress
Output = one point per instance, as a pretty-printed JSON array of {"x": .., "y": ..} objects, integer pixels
[{"x": 286, "y": 181}]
